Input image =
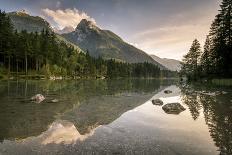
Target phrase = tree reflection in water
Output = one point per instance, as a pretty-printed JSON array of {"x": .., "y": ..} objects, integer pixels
[
  {"x": 88, "y": 103},
  {"x": 216, "y": 111}
]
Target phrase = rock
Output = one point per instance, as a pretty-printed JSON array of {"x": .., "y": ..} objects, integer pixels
[
  {"x": 167, "y": 91},
  {"x": 157, "y": 102},
  {"x": 38, "y": 98},
  {"x": 55, "y": 100},
  {"x": 224, "y": 93},
  {"x": 55, "y": 77},
  {"x": 209, "y": 93},
  {"x": 173, "y": 108}
]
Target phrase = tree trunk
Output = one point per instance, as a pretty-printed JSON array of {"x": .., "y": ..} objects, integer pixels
[
  {"x": 17, "y": 67},
  {"x": 9, "y": 66},
  {"x": 37, "y": 65},
  {"x": 26, "y": 64}
]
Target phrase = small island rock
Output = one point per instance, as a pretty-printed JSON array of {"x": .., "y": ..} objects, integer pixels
[
  {"x": 38, "y": 98},
  {"x": 167, "y": 91},
  {"x": 173, "y": 108},
  {"x": 157, "y": 102}
]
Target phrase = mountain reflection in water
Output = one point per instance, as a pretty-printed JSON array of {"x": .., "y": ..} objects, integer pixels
[
  {"x": 62, "y": 132},
  {"x": 114, "y": 117},
  {"x": 81, "y": 101}
]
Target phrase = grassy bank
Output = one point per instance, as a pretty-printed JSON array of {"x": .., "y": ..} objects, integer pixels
[{"x": 222, "y": 82}]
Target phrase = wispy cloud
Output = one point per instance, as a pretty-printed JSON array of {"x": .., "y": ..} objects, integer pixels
[
  {"x": 67, "y": 17},
  {"x": 171, "y": 41}
]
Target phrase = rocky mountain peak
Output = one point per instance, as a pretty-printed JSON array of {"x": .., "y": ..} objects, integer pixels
[
  {"x": 22, "y": 12},
  {"x": 86, "y": 24}
]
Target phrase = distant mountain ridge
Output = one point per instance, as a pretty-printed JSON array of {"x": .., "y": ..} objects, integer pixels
[
  {"x": 171, "y": 64},
  {"x": 106, "y": 44},
  {"x": 86, "y": 37},
  {"x": 23, "y": 21}
]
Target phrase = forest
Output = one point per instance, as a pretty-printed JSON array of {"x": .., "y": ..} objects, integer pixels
[
  {"x": 43, "y": 54},
  {"x": 215, "y": 60}
]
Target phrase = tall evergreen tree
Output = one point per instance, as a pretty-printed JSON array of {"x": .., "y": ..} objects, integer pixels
[
  {"x": 191, "y": 61},
  {"x": 221, "y": 43},
  {"x": 206, "y": 58}
]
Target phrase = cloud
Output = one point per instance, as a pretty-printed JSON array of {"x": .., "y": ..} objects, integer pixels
[
  {"x": 171, "y": 41},
  {"x": 67, "y": 17}
]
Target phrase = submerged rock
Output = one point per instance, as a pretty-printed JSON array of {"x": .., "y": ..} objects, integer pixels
[
  {"x": 173, "y": 108},
  {"x": 157, "y": 102},
  {"x": 55, "y": 100},
  {"x": 38, "y": 98},
  {"x": 167, "y": 91},
  {"x": 210, "y": 93}
]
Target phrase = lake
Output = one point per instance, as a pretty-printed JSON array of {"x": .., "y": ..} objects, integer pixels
[{"x": 114, "y": 117}]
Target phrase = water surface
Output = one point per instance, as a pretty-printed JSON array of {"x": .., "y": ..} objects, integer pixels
[{"x": 114, "y": 117}]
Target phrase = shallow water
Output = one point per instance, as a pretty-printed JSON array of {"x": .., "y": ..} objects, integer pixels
[{"x": 114, "y": 117}]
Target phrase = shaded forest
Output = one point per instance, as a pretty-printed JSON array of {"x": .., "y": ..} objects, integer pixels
[
  {"x": 43, "y": 54},
  {"x": 215, "y": 60}
]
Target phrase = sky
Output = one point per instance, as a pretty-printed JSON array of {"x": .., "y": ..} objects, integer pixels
[{"x": 165, "y": 28}]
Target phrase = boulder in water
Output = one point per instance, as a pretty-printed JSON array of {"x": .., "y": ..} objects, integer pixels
[
  {"x": 167, "y": 91},
  {"x": 38, "y": 98},
  {"x": 173, "y": 108},
  {"x": 55, "y": 100},
  {"x": 157, "y": 102}
]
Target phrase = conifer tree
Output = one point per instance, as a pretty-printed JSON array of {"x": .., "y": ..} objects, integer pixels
[
  {"x": 206, "y": 58},
  {"x": 191, "y": 61}
]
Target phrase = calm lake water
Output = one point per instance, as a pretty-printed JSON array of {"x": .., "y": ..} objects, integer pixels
[{"x": 114, "y": 117}]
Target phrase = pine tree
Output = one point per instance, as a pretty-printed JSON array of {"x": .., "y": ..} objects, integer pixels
[
  {"x": 6, "y": 38},
  {"x": 206, "y": 59},
  {"x": 191, "y": 61},
  {"x": 221, "y": 42}
]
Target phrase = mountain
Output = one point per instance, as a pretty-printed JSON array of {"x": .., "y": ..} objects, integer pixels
[
  {"x": 66, "y": 29},
  {"x": 106, "y": 44},
  {"x": 86, "y": 36},
  {"x": 171, "y": 64},
  {"x": 23, "y": 21}
]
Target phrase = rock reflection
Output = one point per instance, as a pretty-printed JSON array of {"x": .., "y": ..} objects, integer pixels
[{"x": 217, "y": 113}]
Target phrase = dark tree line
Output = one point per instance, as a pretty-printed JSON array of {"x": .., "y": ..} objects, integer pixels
[
  {"x": 23, "y": 53},
  {"x": 215, "y": 60}
]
